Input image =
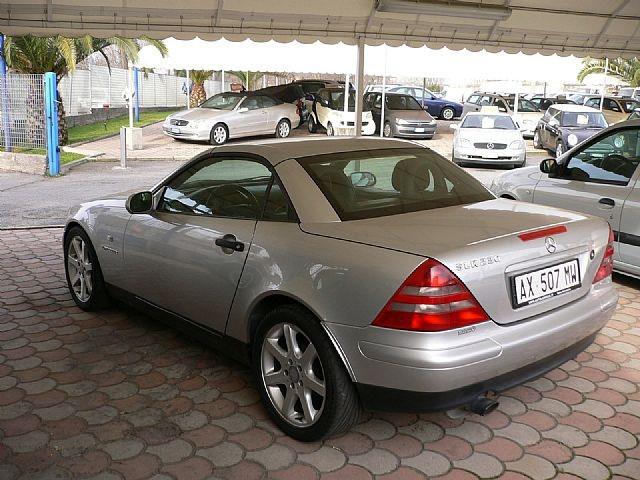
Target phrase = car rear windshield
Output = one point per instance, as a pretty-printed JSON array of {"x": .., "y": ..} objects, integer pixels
[
  {"x": 375, "y": 183},
  {"x": 336, "y": 100},
  {"x": 498, "y": 122},
  {"x": 583, "y": 119},
  {"x": 402, "y": 102},
  {"x": 222, "y": 101}
]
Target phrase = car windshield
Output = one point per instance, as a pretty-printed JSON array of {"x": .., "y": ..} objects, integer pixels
[
  {"x": 222, "y": 101},
  {"x": 584, "y": 119},
  {"x": 498, "y": 122},
  {"x": 402, "y": 102},
  {"x": 375, "y": 183},
  {"x": 629, "y": 105},
  {"x": 524, "y": 105},
  {"x": 336, "y": 100}
]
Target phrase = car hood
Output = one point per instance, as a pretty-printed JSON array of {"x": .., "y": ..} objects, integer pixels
[
  {"x": 413, "y": 115},
  {"x": 200, "y": 114},
  {"x": 580, "y": 132},
  {"x": 479, "y": 242},
  {"x": 489, "y": 135}
]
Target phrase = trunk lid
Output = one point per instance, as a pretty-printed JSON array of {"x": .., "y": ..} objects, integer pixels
[{"x": 480, "y": 244}]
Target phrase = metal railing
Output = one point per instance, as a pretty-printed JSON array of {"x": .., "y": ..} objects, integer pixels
[{"x": 22, "y": 111}]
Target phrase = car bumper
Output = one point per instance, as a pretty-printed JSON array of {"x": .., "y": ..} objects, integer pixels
[
  {"x": 484, "y": 156},
  {"x": 185, "y": 133},
  {"x": 413, "y": 132},
  {"x": 488, "y": 356}
]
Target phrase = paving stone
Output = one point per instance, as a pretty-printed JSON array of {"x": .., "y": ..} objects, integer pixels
[
  {"x": 615, "y": 436},
  {"x": 99, "y": 416},
  {"x": 171, "y": 452},
  {"x": 191, "y": 420},
  {"x": 144, "y": 417},
  {"x": 222, "y": 455},
  {"x": 585, "y": 468},
  {"x": 72, "y": 446},
  {"x": 27, "y": 442},
  {"x": 38, "y": 386},
  {"x": 430, "y": 463},
  {"x": 482, "y": 465},
  {"x": 120, "y": 390},
  {"x": 567, "y": 435},
  {"x": 377, "y": 429},
  {"x": 596, "y": 408},
  {"x": 238, "y": 422},
  {"x": 511, "y": 406},
  {"x": 629, "y": 468},
  {"x": 551, "y": 406},
  {"x": 274, "y": 457},
  {"x": 377, "y": 461},
  {"x": 56, "y": 412},
  {"x": 422, "y": 430},
  {"x": 123, "y": 449},
  {"x": 471, "y": 431}
]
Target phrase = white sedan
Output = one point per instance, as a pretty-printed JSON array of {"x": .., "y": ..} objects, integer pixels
[{"x": 488, "y": 138}]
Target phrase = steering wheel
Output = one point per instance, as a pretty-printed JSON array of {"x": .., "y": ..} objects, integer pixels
[{"x": 231, "y": 199}]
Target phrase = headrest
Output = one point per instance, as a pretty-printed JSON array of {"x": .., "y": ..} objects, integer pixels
[{"x": 410, "y": 175}]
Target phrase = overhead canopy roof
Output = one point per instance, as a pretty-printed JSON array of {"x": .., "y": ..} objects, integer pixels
[{"x": 581, "y": 27}]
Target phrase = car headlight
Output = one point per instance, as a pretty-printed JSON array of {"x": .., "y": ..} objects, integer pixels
[
  {"x": 401, "y": 121},
  {"x": 572, "y": 140},
  {"x": 516, "y": 144},
  {"x": 464, "y": 141}
]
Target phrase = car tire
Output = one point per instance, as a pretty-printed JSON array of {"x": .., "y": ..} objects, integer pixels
[
  {"x": 536, "y": 140},
  {"x": 559, "y": 149},
  {"x": 330, "y": 131},
  {"x": 283, "y": 129},
  {"x": 312, "y": 126},
  {"x": 387, "y": 131},
  {"x": 447, "y": 113},
  {"x": 334, "y": 413},
  {"x": 219, "y": 134},
  {"x": 82, "y": 271}
]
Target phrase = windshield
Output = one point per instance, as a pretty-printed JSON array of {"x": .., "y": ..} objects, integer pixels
[
  {"x": 402, "y": 102},
  {"x": 222, "y": 101},
  {"x": 524, "y": 105},
  {"x": 498, "y": 122},
  {"x": 336, "y": 100},
  {"x": 375, "y": 183},
  {"x": 629, "y": 105},
  {"x": 584, "y": 119}
]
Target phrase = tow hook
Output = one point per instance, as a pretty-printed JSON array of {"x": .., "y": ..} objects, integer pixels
[{"x": 484, "y": 405}]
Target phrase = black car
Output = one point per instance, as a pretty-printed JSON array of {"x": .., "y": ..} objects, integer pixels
[
  {"x": 289, "y": 93},
  {"x": 543, "y": 103},
  {"x": 564, "y": 126}
]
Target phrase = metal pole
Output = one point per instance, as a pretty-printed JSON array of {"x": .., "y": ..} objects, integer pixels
[
  {"x": 359, "y": 86},
  {"x": 6, "y": 124},
  {"x": 384, "y": 92},
  {"x": 424, "y": 87},
  {"x": 123, "y": 147},
  {"x": 345, "y": 104},
  {"x": 136, "y": 97},
  {"x": 187, "y": 84},
  {"x": 222, "y": 82},
  {"x": 51, "y": 116},
  {"x": 604, "y": 84},
  {"x": 130, "y": 100}
]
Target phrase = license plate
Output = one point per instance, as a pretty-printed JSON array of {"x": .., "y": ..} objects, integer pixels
[
  {"x": 549, "y": 282},
  {"x": 490, "y": 155},
  {"x": 175, "y": 130},
  {"x": 419, "y": 130}
]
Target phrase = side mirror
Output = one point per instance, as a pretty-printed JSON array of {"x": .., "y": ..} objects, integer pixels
[
  {"x": 362, "y": 179},
  {"x": 454, "y": 126},
  {"x": 243, "y": 110},
  {"x": 141, "y": 202},
  {"x": 549, "y": 166}
]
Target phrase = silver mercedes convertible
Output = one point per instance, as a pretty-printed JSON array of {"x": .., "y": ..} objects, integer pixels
[{"x": 350, "y": 274}]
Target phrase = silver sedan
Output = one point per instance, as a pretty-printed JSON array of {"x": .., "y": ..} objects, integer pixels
[
  {"x": 350, "y": 273},
  {"x": 233, "y": 115},
  {"x": 597, "y": 177}
]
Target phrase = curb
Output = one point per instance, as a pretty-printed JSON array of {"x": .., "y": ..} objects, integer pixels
[{"x": 68, "y": 166}]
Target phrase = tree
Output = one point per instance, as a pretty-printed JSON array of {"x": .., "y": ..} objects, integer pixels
[
  {"x": 623, "y": 68},
  {"x": 248, "y": 79},
  {"x": 198, "y": 93},
  {"x": 60, "y": 55}
]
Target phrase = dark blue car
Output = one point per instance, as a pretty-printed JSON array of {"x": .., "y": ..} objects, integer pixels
[{"x": 432, "y": 103}]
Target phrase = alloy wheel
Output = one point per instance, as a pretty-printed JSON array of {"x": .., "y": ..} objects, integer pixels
[
  {"x": 219, "y": 134},
  {"x": 80, "y": 269},
  {"x": 293, "y": 375},
  {"x": 447, "y": 114},
  {"x": 283, "y": 129},
  {"x": 330, "y": 129},
  {"x": 387, "y": 130}
]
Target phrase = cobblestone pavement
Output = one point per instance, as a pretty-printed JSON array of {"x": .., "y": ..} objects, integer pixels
[{"x": 117, "y": 395}]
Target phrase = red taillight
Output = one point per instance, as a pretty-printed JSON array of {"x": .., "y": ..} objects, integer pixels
[
  {"x": 299, "y": 107},
  {"x": 545, "y": 232},
  {"x": 432, "y": 299},
  {"x": 606, "y": 266}
]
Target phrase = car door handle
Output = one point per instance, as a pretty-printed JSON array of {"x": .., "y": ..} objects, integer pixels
[
  {"x": 229, "y": 241},
  {"x": 607, "y": 202}
]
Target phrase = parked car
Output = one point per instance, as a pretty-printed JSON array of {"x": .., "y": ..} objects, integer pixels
[
  {"x": 288, "y": 93},
  {"x": 597, "y": 177},
  {"x": 630, "y": 92},
  {"x": 615, "y": 109},
  {"x": 328, "y": 112},
  {"x": 378, "y": 88},
  {"x": 233, "y": 115},
  {"x": 436, "y": 106},
  {"x": 634, "y": 115},
  {"x": 543, "y": 103},
  {"x": 564, "y": 126},
  {"x": 311, "y": 87},
  {"x": 527, "y": 117},
  {"x": 348, "y": 273},
  {"x": 488, "y": 139},
  {"x": 403, "y": 116}
]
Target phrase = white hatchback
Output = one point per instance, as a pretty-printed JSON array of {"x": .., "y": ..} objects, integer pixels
[
  {"x": 488, "y": 138},
  {"x": 329, "y": 112}
]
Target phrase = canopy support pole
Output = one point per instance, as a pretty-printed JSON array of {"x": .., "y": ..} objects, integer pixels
[
  {"x": 384, "y": 92},
  {"x": 359, "y": 86},
  {"x": 345, "y": 104},
  {"x": 187, "y": 84},
  {"x": 5, "y": 98},
  {"x": 131, "y": 94},
  {"x": 222, "y": 82},
  {"x": 604, "y": 84}
]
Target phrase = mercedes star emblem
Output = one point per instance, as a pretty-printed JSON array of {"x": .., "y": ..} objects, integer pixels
[
  {"x": 550, "y": 243},
  {"x": 490, "y": 146}
]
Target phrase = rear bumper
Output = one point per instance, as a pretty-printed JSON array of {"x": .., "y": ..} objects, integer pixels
[{"x": 470, "y": 359}]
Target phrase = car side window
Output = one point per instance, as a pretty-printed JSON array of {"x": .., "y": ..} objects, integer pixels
[
  {"x": 219, "y": 187},
  {"x": 267, "y": 102},
  {"x": 613, "y": 159},
  {"x": 554, "y": 117},
  {"x": 485, "y": 100},
  {"x": 251, "y": 103},
  {"x": 277, "y": 206},
  {"x": 502, "y": 106},
  {"x": 612, "y": 105},
  {"x": 473, "y": 99},
  {"x": 594, "y": 102}
]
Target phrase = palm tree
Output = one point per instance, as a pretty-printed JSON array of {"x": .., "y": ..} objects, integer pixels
[
  {"x": 198, "y": 93},
  {"x": 623, "y": 68},
  {"x": 60, "y": 55},
  {"x": 248, "y": 79}
]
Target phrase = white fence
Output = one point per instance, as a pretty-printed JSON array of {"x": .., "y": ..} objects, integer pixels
[
  {"x": 84, "y": 90},
  {"x": 22, "y": 118}
]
